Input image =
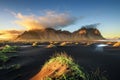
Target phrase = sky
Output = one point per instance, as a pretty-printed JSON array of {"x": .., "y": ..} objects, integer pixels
[{"x": 19, "y": 15}]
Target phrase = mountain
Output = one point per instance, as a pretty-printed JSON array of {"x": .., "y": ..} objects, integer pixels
[
  {"x": 50, "y": 34},
  {"x": 86, "y": 33}
]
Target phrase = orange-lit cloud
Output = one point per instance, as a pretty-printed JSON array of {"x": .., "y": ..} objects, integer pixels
[
  {"x": 50, "y": 19},
  {"x": 9, "y": 34}
]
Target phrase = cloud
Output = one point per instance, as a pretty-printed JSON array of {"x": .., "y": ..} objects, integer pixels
[
  {"x": 50, "y": 19},
  {"x": 10, "y": 11},
  {"x": 91, "y": 25},
  {"x": 9, "y": 34}
]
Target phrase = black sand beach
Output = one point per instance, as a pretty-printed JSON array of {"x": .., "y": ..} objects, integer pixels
[{"x": 31, "y": 60}]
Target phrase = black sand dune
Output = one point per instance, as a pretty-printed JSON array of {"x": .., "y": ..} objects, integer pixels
[{"x": 31, "y": 60}]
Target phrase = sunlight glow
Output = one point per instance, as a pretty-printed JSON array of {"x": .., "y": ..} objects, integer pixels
[{"x": 102, "y": 45}]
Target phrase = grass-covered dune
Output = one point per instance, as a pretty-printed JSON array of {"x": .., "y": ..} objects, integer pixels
[
  {"x": 60, "y": 67},
  {"x": 63, "y": 67}
]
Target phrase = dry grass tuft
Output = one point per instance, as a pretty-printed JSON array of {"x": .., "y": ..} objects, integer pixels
[
  {"x": 50, "y": 46},
  {"x": 63, "y": 44},
  {"x": 35, "y": 44},
  {"x": 109, "y": 43},
  {"x": 117, "y": 44},
  {"x": 60, "y": 67}
]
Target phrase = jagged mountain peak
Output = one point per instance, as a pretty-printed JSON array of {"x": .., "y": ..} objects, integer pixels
[{"x": 50, "y": 34}]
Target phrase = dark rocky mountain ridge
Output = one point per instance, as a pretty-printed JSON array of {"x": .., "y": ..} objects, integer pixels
[{"x": 50, "y": 34}]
